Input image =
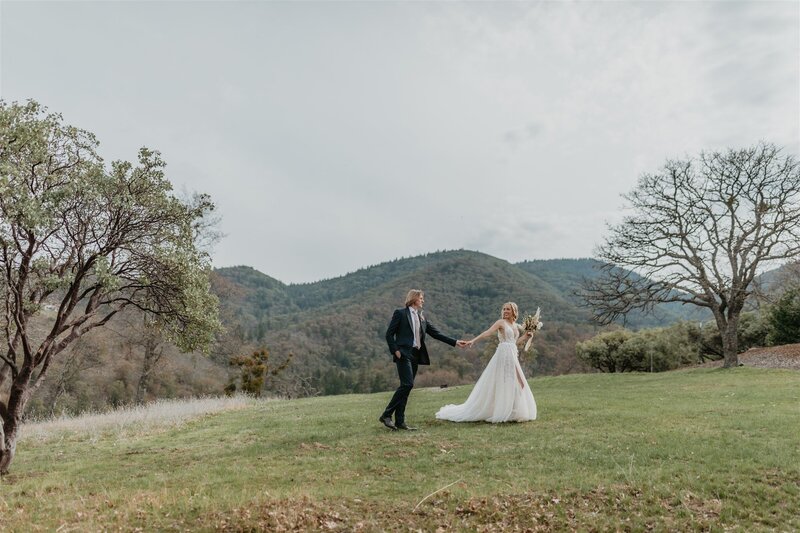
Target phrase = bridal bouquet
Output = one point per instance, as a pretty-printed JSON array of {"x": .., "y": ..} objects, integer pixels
[{"x": 531, "y": 324}]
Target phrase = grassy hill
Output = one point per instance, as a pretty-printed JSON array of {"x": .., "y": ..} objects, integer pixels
[{"x": 687, "y": 450}]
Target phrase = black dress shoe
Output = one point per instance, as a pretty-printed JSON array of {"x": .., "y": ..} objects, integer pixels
[
  {"x": 405, "y": 427},
  {"x": 387, "y": 421}
]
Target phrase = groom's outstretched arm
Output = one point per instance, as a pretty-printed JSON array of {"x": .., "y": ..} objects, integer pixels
[
  {"x": 391, "y": 332},
  {"x": 431, "y": 330}
]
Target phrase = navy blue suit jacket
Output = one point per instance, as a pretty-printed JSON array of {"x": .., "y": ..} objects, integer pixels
[{"x": 400, "y": 335}]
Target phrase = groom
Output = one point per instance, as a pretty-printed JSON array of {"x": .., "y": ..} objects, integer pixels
[{"x": 406, "y": 338}]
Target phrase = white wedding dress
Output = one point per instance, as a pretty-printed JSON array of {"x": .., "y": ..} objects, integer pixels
[{"x": 497, "y": 396}]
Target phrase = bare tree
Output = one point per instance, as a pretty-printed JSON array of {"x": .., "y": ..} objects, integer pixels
[
  {"x": 141, "y": 331},
  {"x": 94, "y": 240},
  {"x": 79, "y": 358},
  {"x": 699, "y": 232}
]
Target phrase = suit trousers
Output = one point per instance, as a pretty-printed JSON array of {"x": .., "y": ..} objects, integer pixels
[{"x": 407, "y": 371}]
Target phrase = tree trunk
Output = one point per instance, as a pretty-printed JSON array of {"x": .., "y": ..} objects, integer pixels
[
  {"x": 7, "y": 450},
  {"x": 58, "y": 392},
  {"x": 16, "y": 405},
  {"x": 61, "y": 384},
  {"x": 730, "y": 343},
  {"x": 152, "y": 354}
]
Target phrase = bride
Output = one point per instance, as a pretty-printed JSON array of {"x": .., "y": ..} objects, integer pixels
[{"x": 502, "y": 393}]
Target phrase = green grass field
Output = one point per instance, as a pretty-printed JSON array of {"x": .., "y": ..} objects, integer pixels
[{"x": 699, "y": 449}]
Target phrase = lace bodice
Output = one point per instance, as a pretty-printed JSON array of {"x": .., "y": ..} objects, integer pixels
[{"x": 508, "y": 333}]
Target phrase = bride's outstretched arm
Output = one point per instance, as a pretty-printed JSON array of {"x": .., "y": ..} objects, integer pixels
[{"x": 494, "y": 327}]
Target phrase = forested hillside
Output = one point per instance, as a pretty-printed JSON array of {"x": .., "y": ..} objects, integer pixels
[{"x": 335, "y": 328}]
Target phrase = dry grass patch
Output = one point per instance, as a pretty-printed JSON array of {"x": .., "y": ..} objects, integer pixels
[
  {"x": 135, "y": 419},
  {"x": 622, "y": 508}
]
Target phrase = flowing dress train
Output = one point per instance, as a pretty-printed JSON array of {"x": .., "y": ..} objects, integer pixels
[{"x": 497, "y": 395}]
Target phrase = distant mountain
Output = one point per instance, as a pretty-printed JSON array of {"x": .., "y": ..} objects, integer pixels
[
  {"x": 567, "y": 275},
  {"x": 336, "y": 327},
  {"x": 465, "y": 288}
]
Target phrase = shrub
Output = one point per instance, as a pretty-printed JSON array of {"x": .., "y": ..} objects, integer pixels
[{"x": 784, "y": 318}]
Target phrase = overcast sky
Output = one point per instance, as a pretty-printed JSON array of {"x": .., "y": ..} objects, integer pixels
[{"x": 338, "y": 135}]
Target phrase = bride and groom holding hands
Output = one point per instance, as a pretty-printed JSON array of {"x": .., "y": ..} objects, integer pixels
[{"x": 501, "y": 394}]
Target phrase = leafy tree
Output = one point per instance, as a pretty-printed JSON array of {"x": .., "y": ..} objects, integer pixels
[
  {"x": 753, "y": 330},
  {"x": 90, "y": 241},
  {"x": 647, "y": 350},
  {"x": 784, "y": 318},
  {"x": 254, "y": 370},
  {"x": 698, "y": 233},
  {"x": 603, "y": 351},
  {"x": 659, "y": 349}
]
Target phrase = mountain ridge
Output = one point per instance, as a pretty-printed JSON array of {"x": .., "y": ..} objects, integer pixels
[{"x": 336, "y": 327}]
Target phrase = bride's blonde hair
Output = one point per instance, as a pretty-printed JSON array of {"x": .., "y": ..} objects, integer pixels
[{"x": 514, "y": 310}]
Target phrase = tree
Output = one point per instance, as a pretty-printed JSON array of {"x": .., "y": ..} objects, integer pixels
[
  {"x": 87, "y": 241},
  {"x": 254, "y": 370},
  {"x": 784, "y": 318},
  {"x": 646, "y": 350},
  {"x": 660, "y": 349},
  {"x": 79, "y": 358},
  {"x": 152, "y": 344},
  {"x": 603, "y": 351},
  {"x": 698, "y": 233},
  {"x": 752, "y": 331}
]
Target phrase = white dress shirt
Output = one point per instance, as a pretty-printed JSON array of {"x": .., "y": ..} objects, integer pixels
[{"x": 415, "y": 325}]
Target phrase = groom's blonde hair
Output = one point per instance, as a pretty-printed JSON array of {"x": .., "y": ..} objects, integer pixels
[
  {"x": 412, "y": 296},
  {"x": 514, "y": 310}
]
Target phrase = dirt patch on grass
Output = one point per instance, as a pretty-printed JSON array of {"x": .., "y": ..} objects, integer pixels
[{"x": 785, "y": 356}]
